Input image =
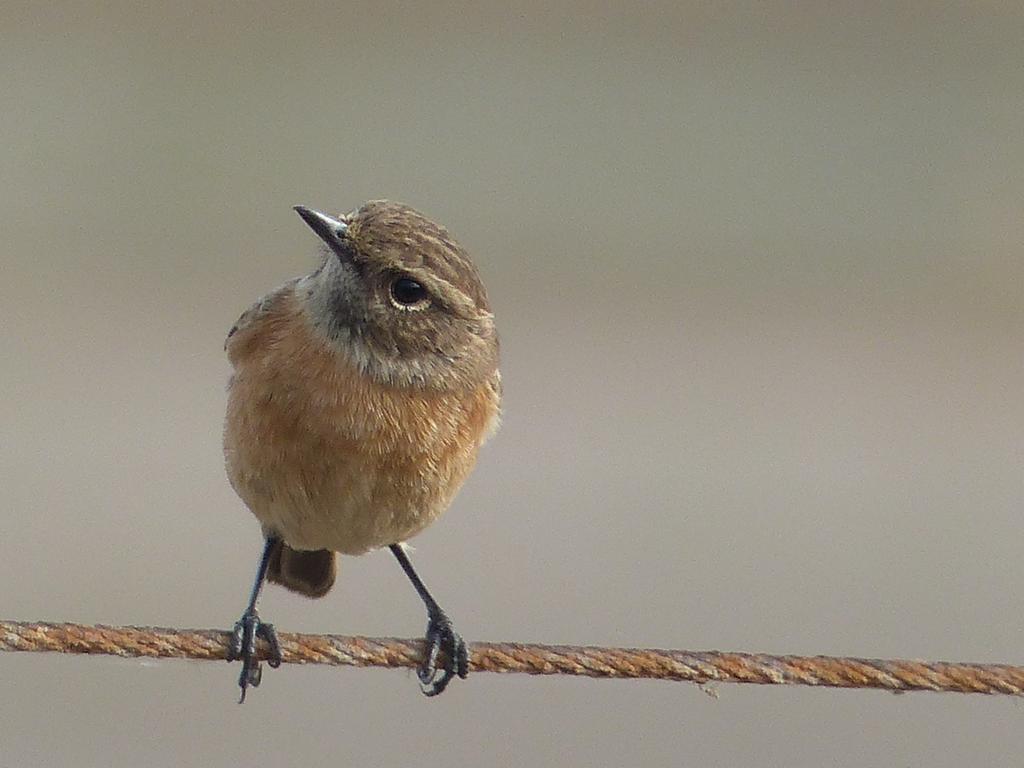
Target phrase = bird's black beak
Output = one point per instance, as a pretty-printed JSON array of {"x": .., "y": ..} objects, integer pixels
[{"x": 330, "y": 230}]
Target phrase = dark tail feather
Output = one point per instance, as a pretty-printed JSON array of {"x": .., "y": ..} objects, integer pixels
[{"x": 308, "y": 573}]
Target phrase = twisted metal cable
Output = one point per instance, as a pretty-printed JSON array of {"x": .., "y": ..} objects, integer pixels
[{"x": 701, "y": 667}]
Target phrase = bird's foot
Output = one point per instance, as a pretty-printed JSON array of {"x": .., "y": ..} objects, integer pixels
[
  {"x": 441, "y": 638},
  {"x": 243, "y": 646}
]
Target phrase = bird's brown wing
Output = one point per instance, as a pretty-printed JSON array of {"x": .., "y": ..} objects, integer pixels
[{"x": 260, "y": 308}]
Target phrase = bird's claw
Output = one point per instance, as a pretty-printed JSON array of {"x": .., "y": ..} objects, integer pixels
[
  {"x": 243, "y": 646},
  {"x": 441, "y": 638}
]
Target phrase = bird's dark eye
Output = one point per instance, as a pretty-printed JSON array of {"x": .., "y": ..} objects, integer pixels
[{"x": 407, "y": 291}]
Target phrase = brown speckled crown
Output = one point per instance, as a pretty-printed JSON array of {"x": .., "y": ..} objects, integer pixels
[
  {"x": 415, "y": 242},
  {"x": 446, "y": 341}
]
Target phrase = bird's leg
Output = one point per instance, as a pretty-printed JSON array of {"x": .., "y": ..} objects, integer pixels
[
  {"x": 249, "y": 627},
  {"x": 441, "y": 637}
]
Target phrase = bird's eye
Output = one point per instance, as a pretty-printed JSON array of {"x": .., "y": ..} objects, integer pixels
[{"x": 406, "y": 291}]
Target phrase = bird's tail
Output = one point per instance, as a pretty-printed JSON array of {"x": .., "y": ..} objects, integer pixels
[{"x": 310, "y": 573}]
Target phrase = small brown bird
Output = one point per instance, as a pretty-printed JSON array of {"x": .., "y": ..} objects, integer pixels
[{"x": 360, "y": 396}]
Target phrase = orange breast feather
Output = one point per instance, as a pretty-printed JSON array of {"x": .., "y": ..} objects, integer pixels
[{"x": 325, "y": 456}]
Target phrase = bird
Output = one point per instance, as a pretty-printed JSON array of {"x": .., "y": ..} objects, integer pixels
[{"x": 359, "y": 397}]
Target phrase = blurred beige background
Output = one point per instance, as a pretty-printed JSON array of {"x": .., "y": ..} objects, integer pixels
[{"x": 759, "y": 275}]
